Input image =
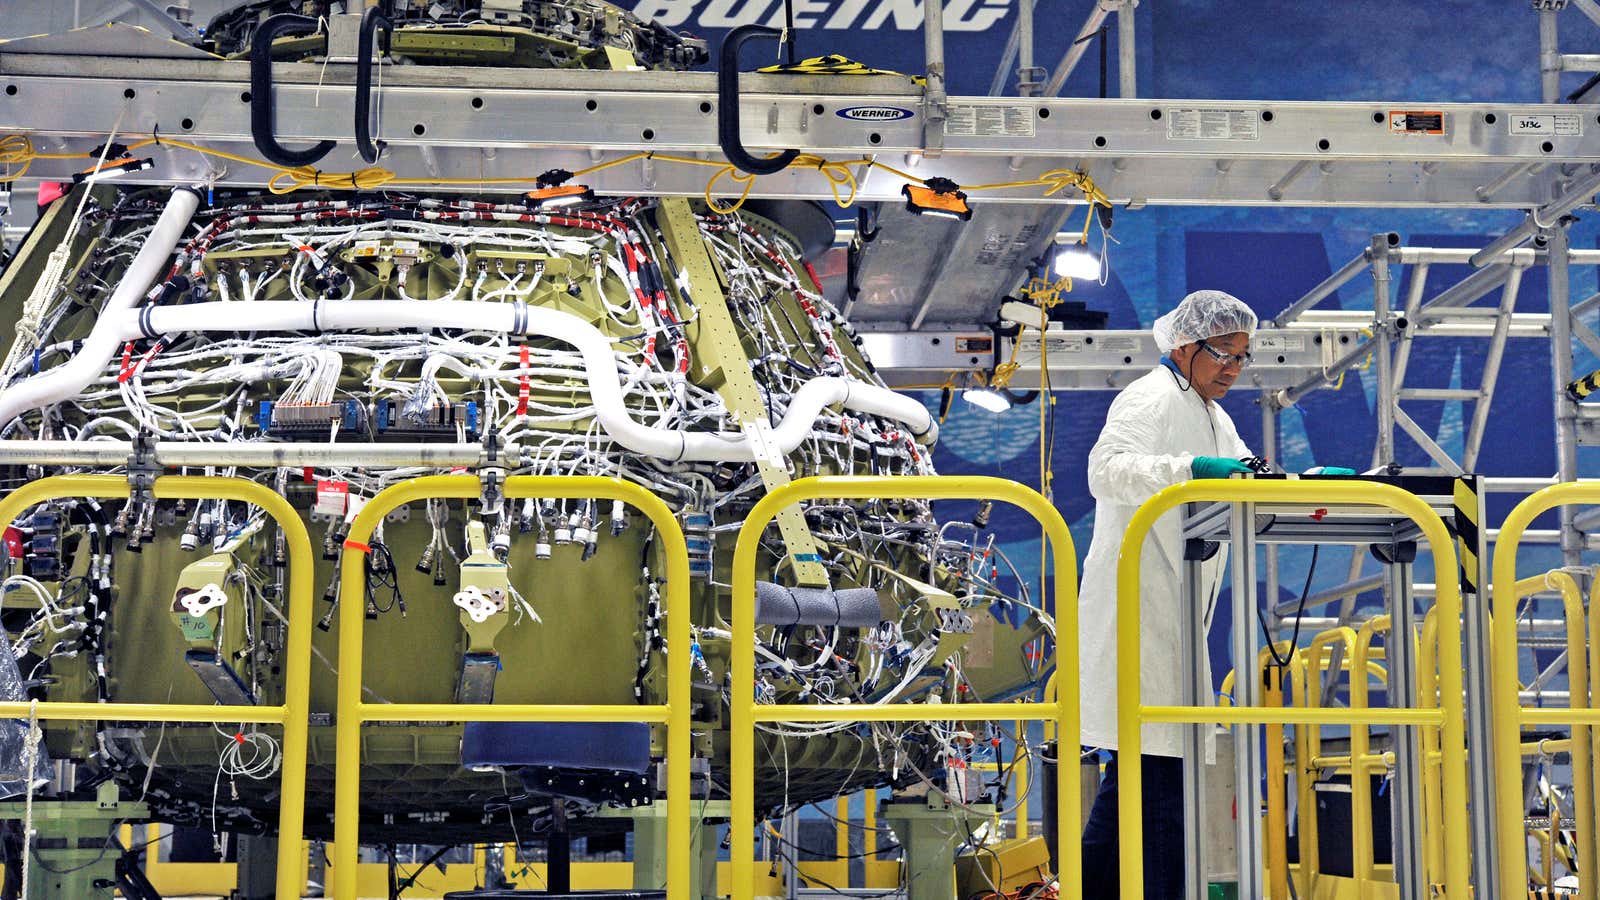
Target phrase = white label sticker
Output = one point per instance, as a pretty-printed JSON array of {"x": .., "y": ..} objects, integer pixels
[
  {"x": 1278, "y": 343},
  {"x": 1561, "y": 124},
  {"x": 990, "y": 121},
  {"x": 1059, "y": 343},
  {"x": 1213, "y": 125},
  {"x": 1119, "y": 344},
  {"x": 331, "y": 497}
]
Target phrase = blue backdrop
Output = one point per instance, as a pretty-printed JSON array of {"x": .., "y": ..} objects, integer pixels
[{"x": 1446, "y": 50}]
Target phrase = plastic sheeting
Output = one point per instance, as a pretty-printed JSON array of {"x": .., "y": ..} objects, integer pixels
[{"x": 14, "y": 736}]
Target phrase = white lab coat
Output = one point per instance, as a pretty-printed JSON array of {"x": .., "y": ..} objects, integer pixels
[{"x": 1153, "y": 431}]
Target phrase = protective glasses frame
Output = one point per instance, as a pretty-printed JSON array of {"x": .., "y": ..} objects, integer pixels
[{"x": 1242, "y": 360}]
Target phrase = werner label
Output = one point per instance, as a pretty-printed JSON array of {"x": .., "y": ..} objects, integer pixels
[{"x": 874, "y": 113}]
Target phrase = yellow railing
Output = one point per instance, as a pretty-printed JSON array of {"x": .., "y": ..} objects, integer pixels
[
  {"x": 745, "y": 713},
  {"x": 1306, "y": 685},
  {"x": 1581, "y": 744},
  {"x": 1277, "y": 855},
  {"x": 352, "y": 711},
  {"x": 1509, "y": 716},
  {"x": 293, "y": 715},
  {"x": 1448, "y": 717}
]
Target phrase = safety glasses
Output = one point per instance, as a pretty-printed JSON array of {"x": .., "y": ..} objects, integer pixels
[{"x": 1240, "y": 360}]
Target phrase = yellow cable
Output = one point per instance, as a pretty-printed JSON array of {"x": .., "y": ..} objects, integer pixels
[{"x": 18, "y": 150}]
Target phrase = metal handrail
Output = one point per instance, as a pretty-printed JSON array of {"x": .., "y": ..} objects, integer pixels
[
  {"x": 352, "y": 711},
  {"x": 745, "y": 713},
  {"x": 1132, "y": 713},
  {"x": 293, "y": 714},
  {"x": 1509, "y": 716}
]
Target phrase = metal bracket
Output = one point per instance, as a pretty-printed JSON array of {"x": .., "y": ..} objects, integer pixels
[{"x": 1397, "y": 553}]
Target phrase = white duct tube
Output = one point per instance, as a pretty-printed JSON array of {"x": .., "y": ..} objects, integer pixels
[
  {"x": 69, "y": 378},
  {"x": 599, "y": 361}
]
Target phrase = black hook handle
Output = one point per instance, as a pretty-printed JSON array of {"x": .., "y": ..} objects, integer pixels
[
  {"x": 262, "y": 127},
  {"x": 372, "y": 22},
  {"x": 728, "y": 105}
]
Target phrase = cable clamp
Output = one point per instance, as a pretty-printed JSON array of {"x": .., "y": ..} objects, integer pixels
[
  {"x": 491, "y": 471},
  {"x": 143, "y": 470}
]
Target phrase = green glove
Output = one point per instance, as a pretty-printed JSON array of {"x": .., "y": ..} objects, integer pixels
[
  {"x": 1330, "y": 470},
  {"x": 1216, "y": 467}
]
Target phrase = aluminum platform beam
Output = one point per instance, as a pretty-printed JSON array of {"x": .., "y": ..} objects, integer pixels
[
  {"x": 458, "y": 122},
  {"x": 1093, "y": 359}
]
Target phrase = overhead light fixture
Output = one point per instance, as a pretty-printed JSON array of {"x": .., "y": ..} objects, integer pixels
[
  {"x": 113, "y": 168},
  {"x": 987, "y": 398},
  {"x": 938, "y": 197},
  {"x": 1076, "y": 260},
  {"x": 553, "y": 192}
]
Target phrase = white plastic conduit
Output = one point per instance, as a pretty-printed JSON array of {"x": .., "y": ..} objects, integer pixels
[
  {"x": 599, "y": 362},
  {"x": 72, "y": 376}
]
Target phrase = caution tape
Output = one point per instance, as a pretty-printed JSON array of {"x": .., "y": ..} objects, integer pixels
[
  {"x": 1584, "y": 386},
  {"x": 834, "y": 64},
  {"x": 1467, "y": 530}
]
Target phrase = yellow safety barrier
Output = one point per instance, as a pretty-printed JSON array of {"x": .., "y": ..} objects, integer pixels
[
  {"x": 1277, "y": 804},
  {"x": 1132, "y": 713},
  {"x": 1581, "y": 744},
  {"x": 1509, "y": 716},
  {"x": 352, "y": 711},
  {"x": 1361, "y": 859},
  {"x": 293, "y": 715},
  {"x": 745, "y": 713},
  {"x": 1308, "y": 738}
]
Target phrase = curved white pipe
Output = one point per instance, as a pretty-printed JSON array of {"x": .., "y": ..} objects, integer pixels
[
  {"x": 599, "y": 362},
  {"x": 70, "y": 377}
]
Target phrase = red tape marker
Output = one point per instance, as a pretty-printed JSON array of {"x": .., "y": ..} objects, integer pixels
[
  {"x": 523, "y": 385},
  {"x": 357, "y": 545}
]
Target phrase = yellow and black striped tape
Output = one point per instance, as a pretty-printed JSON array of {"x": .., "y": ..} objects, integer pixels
[
  {"x": 1584, "y": 386},
  {"x": 1467, "y": 530},
  {"x": 833, "y": 64}
]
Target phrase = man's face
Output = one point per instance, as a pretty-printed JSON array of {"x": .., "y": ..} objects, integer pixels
[{"x": 1210, "y": 376}]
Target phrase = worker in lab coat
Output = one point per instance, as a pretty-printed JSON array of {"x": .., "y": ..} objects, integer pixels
[{"x": 1163, "y": 429}]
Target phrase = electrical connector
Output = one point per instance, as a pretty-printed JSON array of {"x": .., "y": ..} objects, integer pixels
[{"x": 500, "y": 542}]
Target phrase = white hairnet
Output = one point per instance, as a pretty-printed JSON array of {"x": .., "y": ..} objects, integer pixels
[{"x": 1201, "y": 316}]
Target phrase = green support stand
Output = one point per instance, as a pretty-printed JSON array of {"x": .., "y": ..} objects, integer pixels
[
  {"x": 650, "y": 828},
  {"x": 70, "y": 849},
  {"x": 930, "y": 829}
]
